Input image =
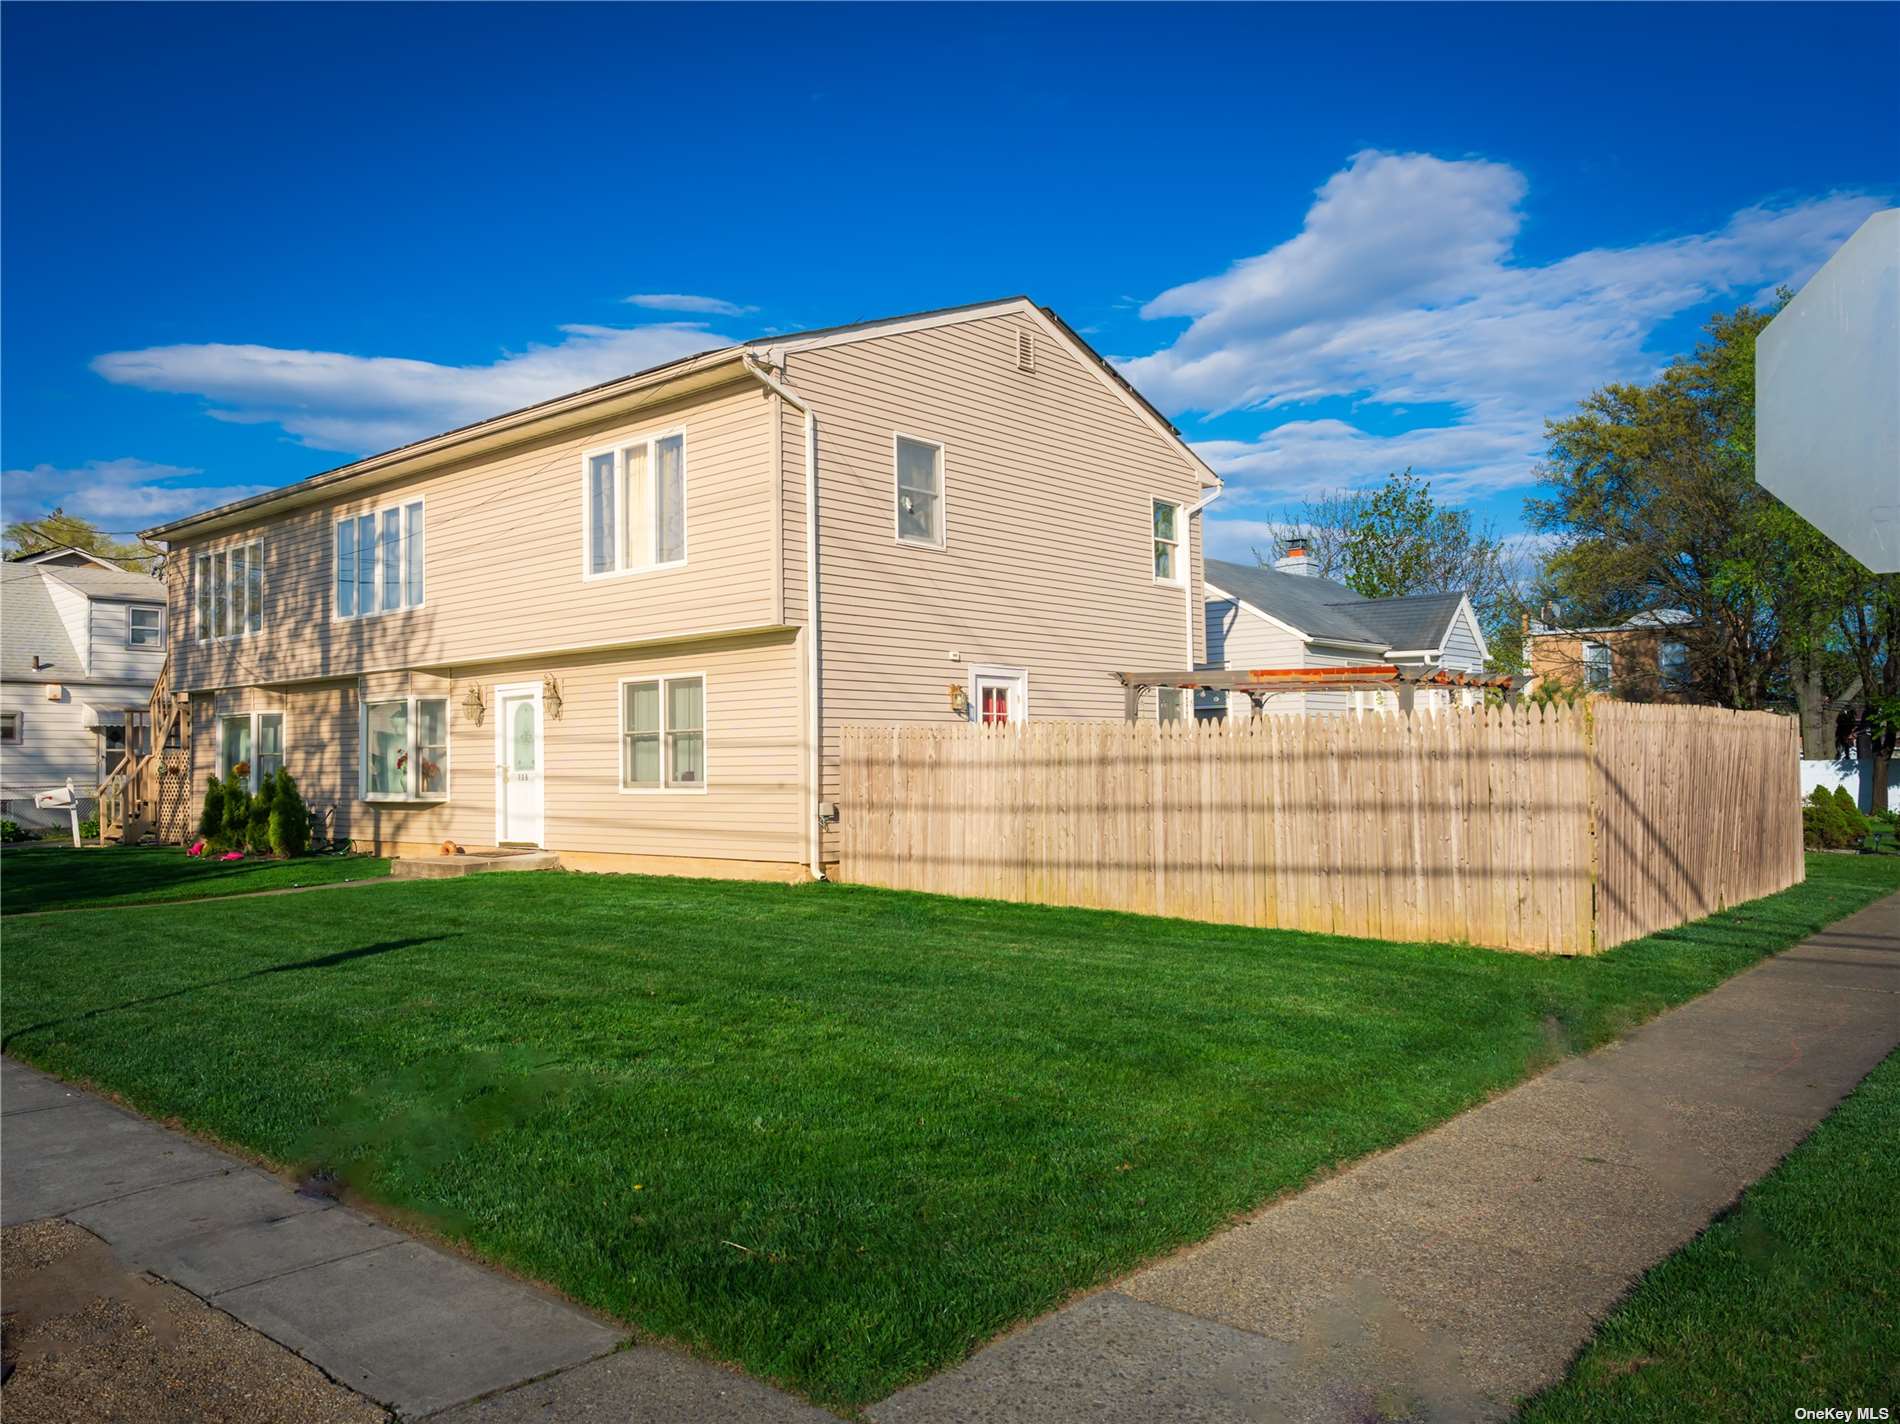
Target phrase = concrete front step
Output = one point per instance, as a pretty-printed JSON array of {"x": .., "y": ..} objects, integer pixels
[{"x": 442, "y": 867}]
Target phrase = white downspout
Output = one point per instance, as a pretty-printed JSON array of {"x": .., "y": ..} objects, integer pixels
[
  {"x": 1186, "y": 516},
  {"x": 814, "y": 838}
]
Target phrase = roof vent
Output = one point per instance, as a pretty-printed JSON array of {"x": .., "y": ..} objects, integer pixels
[{"x": 1025, "y": 351}]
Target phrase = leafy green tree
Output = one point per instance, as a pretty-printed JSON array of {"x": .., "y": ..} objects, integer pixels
[
  {"x": 60, "y": 530},
  {"x": 1398, "y": 540}
]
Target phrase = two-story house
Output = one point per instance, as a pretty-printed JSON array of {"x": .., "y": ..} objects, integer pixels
[
  {"x": 81, "y": 641},
  {"x": 597, "y": 624}
]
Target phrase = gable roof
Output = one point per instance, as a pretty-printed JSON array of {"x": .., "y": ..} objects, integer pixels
[
  {"x": 62, "y": 554},
  {"x": 739, "y": 354},
  {"x": 33, "y": 627},
  {"x": 1320, "y": 609}
]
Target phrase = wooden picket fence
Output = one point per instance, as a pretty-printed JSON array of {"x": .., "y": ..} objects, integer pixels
[{"x": 1560, "y": 830}]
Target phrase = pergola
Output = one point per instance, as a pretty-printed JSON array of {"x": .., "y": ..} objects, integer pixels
[{"x": 1261, "y": 683}]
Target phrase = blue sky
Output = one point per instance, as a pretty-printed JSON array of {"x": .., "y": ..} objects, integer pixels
[{"x": 242, "y": 244}]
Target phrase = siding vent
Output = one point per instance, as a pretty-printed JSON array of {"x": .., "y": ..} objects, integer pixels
[{"x": 1025, "y": 351}]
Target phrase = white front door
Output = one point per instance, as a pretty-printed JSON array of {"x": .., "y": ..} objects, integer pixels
[{"x": 518, "y": 769}]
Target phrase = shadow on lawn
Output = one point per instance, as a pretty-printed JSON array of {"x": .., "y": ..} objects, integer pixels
[{"x": 323, "y": 961}]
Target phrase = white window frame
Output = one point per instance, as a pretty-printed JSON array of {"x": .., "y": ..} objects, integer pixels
[
  {"x": 134, "y": 608},
  {"x": 665, "y": 788},
  {"x": 1178, "y": 543},
  {"x": 205, "y": 603},
  {"x": 256, "y": 717},
  {"x": 996, "y": 672},
  {"x": 943, "y": 493},
  {"x": 1609, "y": 665},
  {"x": 618, "y": 449},
  {"x": 18, "y": 721},
  {"x": 413, "y": 721},
  {"x": 412, "y": 599},
  {"x": 1187, "y": 706}
]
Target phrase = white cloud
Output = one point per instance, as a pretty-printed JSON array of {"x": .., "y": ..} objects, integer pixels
[
  {"x": 1401, "y": 290},
  {"x": 684, "y": 302},
  {"x": 332, "y": 400},
  {"x": 120, "y": 496}
]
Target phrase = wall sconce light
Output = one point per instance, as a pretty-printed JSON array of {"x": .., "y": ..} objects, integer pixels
[
  {"x": 473, "y": 708},
  {"x": 959, "y": 699},
  {"x": 551, "y": 696}
]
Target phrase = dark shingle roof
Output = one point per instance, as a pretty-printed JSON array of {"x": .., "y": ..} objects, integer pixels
[
  {"x": 1409, "y": 625},
  {"x": 1332, "y": 612}
]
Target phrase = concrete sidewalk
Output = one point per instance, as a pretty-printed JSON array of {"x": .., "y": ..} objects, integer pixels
[
  {"x": 413, "y": 1328},
  {"x": 1449, "y": 1277}
]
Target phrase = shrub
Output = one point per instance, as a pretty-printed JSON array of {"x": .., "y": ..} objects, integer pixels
[
  {"x": 89, "y": 829},
  {"x": 1850, "y": 813},
  {"x": 289, "y": 817},
  {"x": 10, "y": 832},
  {"x": 237, "y": 813},
  {"x": 1825, "y": 821},
  {"x": 257, "y": 825},
  {"x": 211, "y": 819}
]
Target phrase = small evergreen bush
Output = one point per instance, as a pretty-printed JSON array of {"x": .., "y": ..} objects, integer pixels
[
  {"x": 289, "y": 817},
  {"x": 1825, "y": 824},
  {"x": 211, "y": 819},
  {"x": 257, "y": 826},
  {"x": 237, "y": 811},
  {"x": 1850, "y": 814}
]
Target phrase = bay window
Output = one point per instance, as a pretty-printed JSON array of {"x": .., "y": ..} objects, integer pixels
[
  {"x": 251, "y": 744},
  {"x": 663, "y": 733},
  {"x": 635, "y": 506},
  {"x": 230, "y": 592},
  {"x": 405, "y": 749},
  {"x": 379, "y": 561}
]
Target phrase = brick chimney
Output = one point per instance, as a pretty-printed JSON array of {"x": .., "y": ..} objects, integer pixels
[{"x": 1293, "y": 557}]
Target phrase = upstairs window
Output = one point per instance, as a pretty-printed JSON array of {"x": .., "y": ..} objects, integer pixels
[
  {"x": 636, "y": 506},
  {"x": 379, "y": 561},
  {"x": 144, "y": 626},
  {"x": 919, "y": 492},
  {"x": 1672, "y": 660},
  {"x": 406, "y": 749},
  {"x": 663, "y": 734},
  {"x": 230, "y": 589},
  {"x": 1596, "y": 667},
  {"x": 1167, "y": 542},
  {"x": 10, "y": 728}
]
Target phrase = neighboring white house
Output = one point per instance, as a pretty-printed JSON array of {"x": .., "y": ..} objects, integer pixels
[
  {"x": 81, "y": 640},
  {"x": 1288, "y": 616}
]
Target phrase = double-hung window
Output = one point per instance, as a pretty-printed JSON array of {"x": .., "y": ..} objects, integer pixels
[
  {"x": 230, "y": 587},
  {"x": 635, "y": 497},
  {"x": 379, "y": 561},
  {"x": 1672, "y": 662},
  {"x": 1596, "y": 667},
  {"x": 252, "y": 745},
  {"x": 663, "y": 734},
  {"x": 919, "y": 492},
  {"x": 1167, "y": 542},
  {"x": 144, "y": 626},
  {"x": 406, "y": 749}
]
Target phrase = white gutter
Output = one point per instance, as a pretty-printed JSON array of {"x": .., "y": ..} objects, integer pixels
[
  {"x": 1187, "y": 514},
  {"x": 814, "y": 838}
]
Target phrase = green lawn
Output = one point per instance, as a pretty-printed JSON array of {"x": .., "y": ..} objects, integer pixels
[
  {"x": 58, "y": 877},
  {"x": 1792, "y": 1300},
  {"x": 839, "y": 1136}
]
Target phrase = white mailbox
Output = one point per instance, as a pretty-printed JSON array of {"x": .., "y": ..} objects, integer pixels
[{"x": 61, "y": 798}]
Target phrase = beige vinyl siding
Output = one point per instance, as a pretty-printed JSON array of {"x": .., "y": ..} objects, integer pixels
[
  {"x": 750, "y": 810},
  {"x": 110, "y": 657},
  {"x": 1047, "y": 564},
  {"x": 1239, "y": 638},
  {"x": 503, "y": 563}
]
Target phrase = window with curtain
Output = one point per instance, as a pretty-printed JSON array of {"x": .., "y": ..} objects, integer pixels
[
  {"x": 1167, "y": 542},
  {"x": 919, "y": 492},
  {"x": 636, "y": 506},
  {"x": 230, "y": 591},
  {"x": 406, "y": 749},
  {"x": 663, "y": 734},
  {"x": 379, "y": 561}
]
